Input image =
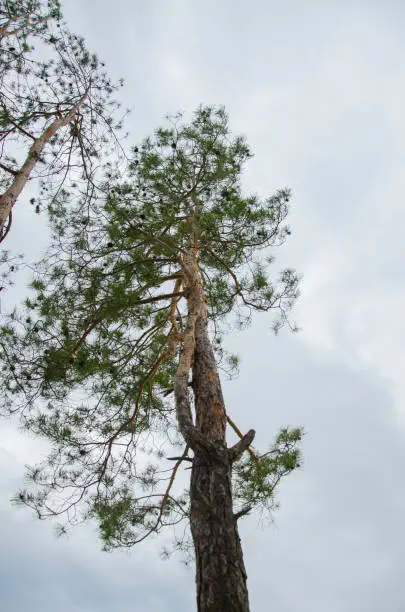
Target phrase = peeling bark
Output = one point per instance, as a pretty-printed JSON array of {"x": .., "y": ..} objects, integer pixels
[
  {"x": 192, "y": 280},
  {"x": 220, "y": 571},
  {"x": 221, "y": 576}
]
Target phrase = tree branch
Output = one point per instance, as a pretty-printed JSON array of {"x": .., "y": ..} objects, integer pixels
[
  {"x": 242, "y": 512},
  {"x": 10, "y": 196},
  {"x": 158, "y": 298},
  {"x": 7, "y": 169},
  {"x": 240, "y": 434},
  {"x": 4, "y": 33},
  {"x": 180, "y": 459},
  {"x": 239, "y": 448},
  {"x": 171, "y": 481}
]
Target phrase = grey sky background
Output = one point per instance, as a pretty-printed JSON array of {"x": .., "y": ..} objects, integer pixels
[{"x": 318, "y": 88}]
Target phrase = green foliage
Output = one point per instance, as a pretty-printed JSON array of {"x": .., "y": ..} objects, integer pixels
[
  {"x": 89, "y": 362},
  {"x": 114, "y": 517},
  {"x": 46, "y": 71},
  {"x": 255, "y": 481}
]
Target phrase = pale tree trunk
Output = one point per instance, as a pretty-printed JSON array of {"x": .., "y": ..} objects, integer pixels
[
  {"x": 220, "y": 572},
  {"x": 10, "y": 196}
]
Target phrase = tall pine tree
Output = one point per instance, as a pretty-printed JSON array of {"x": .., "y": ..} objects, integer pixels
[{"x": 114, "y": 358}]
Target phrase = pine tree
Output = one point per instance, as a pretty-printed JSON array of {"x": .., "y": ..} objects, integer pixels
[
  {"x": 56, "y": 107},
  {"x": 114, "y": 358}
]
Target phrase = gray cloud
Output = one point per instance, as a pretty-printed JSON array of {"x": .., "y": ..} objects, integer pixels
[
  {"x": 318, "y": 89},
  {"x": 338, "y": 538},
  {"x": 40, "y": 572}
]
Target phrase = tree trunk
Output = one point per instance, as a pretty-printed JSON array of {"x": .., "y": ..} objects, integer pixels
[
  {"x": 220, "y": 571},
  {"x": 21, "y": 178}
]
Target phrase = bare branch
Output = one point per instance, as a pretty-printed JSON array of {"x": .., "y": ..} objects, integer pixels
[
  {"x": 239, "y": 448},
  {"x": 242, "y": 512},
  {"x": 7, "y": 169},
  {"x": 240, "y": 434}
]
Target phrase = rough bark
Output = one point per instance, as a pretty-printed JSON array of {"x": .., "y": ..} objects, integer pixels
[{"x": 220, "y": 571}]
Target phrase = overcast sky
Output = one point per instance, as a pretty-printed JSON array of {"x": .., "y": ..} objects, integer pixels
[{"x": 318, "y": 88}]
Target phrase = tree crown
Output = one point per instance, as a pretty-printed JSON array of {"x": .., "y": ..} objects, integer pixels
[{"x": 90, "y": 361}]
